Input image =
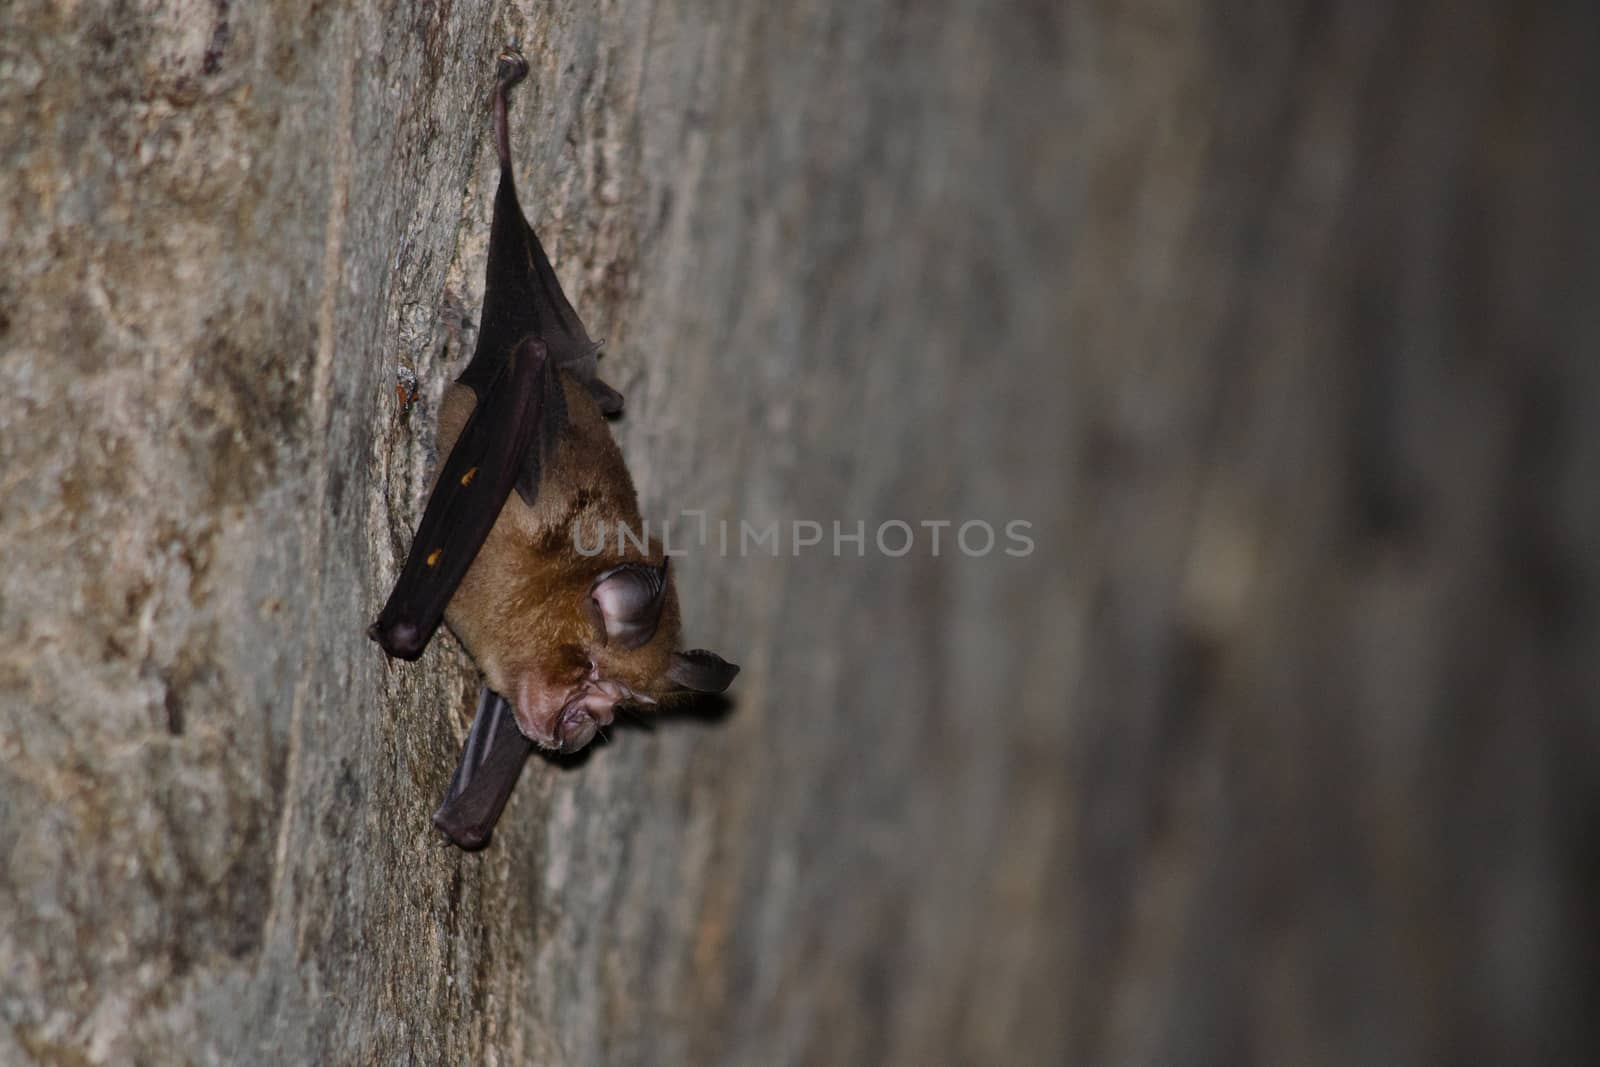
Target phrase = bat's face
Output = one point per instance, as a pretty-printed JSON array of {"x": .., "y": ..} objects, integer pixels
[
  {"x": 562, "y": 703},
  {"x": 622, "y": 634}
]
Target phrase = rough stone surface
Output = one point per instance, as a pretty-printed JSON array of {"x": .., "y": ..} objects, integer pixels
[{"x": 1276, "y": 322}]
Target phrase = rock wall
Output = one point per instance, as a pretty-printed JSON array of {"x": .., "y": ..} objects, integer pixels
[{"x": 1275, "y": 326}]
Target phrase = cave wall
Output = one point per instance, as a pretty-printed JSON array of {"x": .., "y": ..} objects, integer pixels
[{"x": 1275, "y": 326}]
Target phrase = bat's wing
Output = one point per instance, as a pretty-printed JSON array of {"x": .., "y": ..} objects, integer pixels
[
  {"x": 522, "y": 298},
  {"x": 491, "y": 455},
  {"x": 529, "y": 333},
  {"x": 491, "y": 760}
]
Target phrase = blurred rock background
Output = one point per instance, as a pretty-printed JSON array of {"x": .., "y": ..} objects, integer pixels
[{"x": 1277, "y": 323}]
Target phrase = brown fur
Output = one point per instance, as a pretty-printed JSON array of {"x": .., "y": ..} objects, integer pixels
[{"x": 520, "y": 608}]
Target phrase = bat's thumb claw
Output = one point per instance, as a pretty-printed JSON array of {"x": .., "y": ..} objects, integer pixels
[{"x": 400, "y": 639}]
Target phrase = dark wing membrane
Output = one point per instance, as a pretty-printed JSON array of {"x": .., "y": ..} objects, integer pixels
[
  {"x": 487, "y": 460},
  {"x": 561, "y": 328},
  {"x": 491, "y": 760},
  {"x": 523, "y": 298},
  {"x": 552, "y": 424}
]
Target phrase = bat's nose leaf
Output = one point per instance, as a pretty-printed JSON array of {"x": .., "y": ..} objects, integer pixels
[{"x": 578, "y": 727}]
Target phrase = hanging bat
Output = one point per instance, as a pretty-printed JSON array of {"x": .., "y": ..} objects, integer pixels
[{"x": 562, "y": 638}]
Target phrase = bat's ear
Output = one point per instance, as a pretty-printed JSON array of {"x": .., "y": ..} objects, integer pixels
[
  {"x": 625, "y": 604},
  {"x": 702, "y": 671}
]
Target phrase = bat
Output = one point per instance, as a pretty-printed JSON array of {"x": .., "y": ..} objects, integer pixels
[{"x": 531, "y": 472}]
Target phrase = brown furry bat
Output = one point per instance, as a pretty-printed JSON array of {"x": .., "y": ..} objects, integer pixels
[{"x": 562, "y": 638}]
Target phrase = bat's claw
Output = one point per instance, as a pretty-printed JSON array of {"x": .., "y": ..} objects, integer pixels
[{"x": 510, "y": 68}]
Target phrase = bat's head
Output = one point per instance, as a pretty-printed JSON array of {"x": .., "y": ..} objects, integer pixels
[{"x": 621, "y": 649}]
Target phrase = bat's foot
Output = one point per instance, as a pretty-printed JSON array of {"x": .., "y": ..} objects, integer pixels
[{"x": 510, "y": 68}]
